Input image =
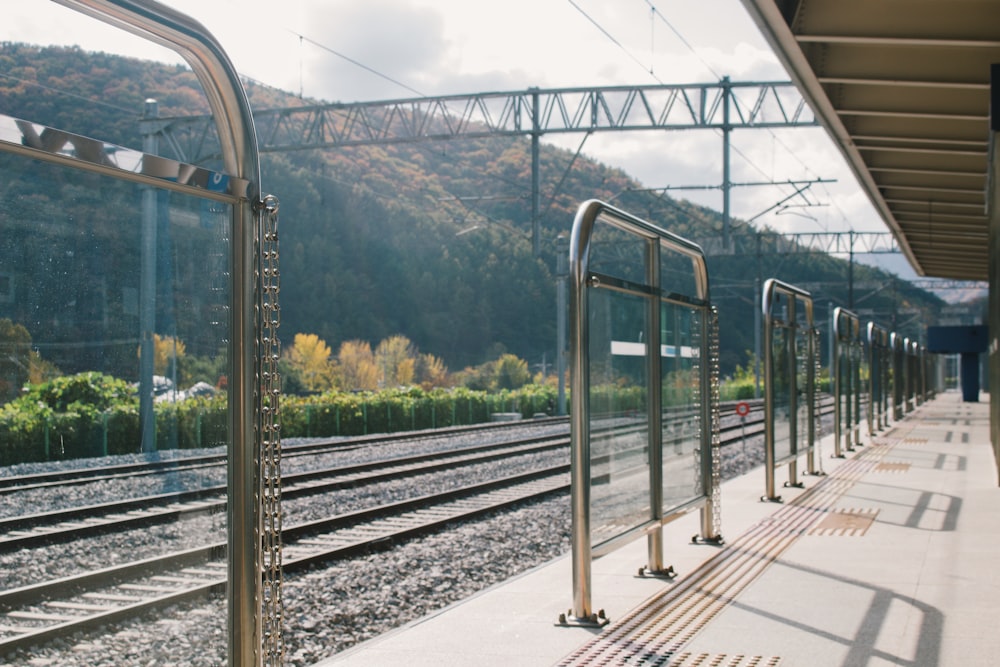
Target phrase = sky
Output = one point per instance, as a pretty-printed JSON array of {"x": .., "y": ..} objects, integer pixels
[{"x": 351, "y": 50}]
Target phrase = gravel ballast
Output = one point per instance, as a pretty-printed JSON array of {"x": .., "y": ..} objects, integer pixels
[{"x": 328, "y": 609}]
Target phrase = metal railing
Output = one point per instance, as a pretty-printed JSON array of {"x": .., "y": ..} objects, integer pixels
[
  {"x": 643, "y": 384},
  {"x": 846, "y": 375},
  {"x": 789, "y": 381},
  {"x": 879, "y": 373},
  {"x": 251, "y": 267}
]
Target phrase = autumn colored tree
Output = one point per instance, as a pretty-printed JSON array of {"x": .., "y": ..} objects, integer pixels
[
  {"x": 430, "y": 371},
  {"x": 356, "y": 366},
  {"x": 15, "y": 358},
  {"x": 511, "y": 372},
  {"x": 396, "y": 358},
  {"x": 309, "y": 356}
]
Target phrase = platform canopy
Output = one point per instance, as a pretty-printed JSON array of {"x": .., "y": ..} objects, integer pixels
[{"x": 903, "y": 87}]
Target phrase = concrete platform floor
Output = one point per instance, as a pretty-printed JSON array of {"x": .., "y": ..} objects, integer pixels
[{"x": 891, "y": 558}]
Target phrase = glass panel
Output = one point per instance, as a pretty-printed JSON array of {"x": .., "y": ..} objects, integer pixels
[
  {"x": 862, "y": 404},
  {"x": 618, "y": 423},
  {"x": 618, "y": 253},
  {"x": 781, "y": 392},
  {"x": 844, "y": 377},
  {"x": 681, "y": 334},
  {"x": 779, "y": 308},
  {"x": 73, "y": 248},
  {"x": 678, "y": 274}
]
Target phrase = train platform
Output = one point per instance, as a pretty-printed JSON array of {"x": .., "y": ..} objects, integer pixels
[{"x": 889, "y": 558}]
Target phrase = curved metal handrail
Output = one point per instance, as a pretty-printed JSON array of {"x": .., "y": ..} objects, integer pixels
[
  {"x": 771, "y": 288},
  {"x": 581, "y": 277},
  {"x": 227, "y": 99}
]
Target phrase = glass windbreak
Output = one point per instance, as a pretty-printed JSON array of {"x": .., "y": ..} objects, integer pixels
[
  {"x": 678, "y": 274},
  {"x": 781, "y": 391},
  {"x": 108, "y": 282},
  {"x": 844, "y": 378},
  {"x": 681, "y": 331},
  {"x": 862, "y": 405},
  {"x": 615, "y": 252},
  {"x": 619, "y": 427}
]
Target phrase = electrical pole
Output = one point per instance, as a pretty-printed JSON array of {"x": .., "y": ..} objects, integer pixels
[
  {"x": 726, "y": 130},
  {"x": 562, "y": 276},
  {"x": 147, "y": 289}
]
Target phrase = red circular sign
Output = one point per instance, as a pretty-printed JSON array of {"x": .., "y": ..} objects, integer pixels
[{"x": 742, "y": 409}]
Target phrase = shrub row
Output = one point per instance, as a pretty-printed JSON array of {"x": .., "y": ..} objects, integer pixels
[{"x": 33, "y": 431}]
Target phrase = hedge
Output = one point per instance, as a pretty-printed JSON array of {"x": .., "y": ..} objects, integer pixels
[{"x": 33, "y": 431}]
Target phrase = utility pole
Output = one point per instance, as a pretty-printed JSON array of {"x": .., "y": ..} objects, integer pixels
[
  {"x": 536, "y": 244},
  {"x": 727, "y": 128},
  {"x": 147, "y": 288},
  {"x": 757, "y": 305},
  {"x": 562, "y": 276},
  {"x": 850, "y": 273}
]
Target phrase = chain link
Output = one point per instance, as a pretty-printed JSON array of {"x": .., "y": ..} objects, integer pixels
[
  {"x": 817, "y": 409},
  {"x": 714, "y": 397},
  {"x": 269, "y": 433}
]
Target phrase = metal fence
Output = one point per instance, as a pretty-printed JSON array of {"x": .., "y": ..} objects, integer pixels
[{"x": 644, "y": 379}]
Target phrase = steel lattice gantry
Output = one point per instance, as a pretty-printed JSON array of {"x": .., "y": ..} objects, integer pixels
[
  {"x": 722, "y": 106},
  {"x": 656, "y": 107}
]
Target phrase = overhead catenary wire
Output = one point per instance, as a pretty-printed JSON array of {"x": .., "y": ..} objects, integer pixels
[
  {"x": 356, "y": 63},
  {"x": 656, "y": 13},
  {"x": 612, "y": 38}
]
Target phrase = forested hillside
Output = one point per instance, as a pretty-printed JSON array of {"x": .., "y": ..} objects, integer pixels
[{"x": 429, "y": 240}]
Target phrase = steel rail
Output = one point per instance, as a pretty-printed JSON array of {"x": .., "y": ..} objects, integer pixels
[
  {"x": 44, "y": 528},
  {"x": 13, "y": 483},
  {"x": 306, "y": 545}
]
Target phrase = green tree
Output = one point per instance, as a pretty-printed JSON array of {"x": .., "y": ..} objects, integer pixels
[{"x": 511, "y": 372}]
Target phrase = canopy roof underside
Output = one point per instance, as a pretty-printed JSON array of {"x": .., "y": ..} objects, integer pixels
[{"x": 903, "y": 87}]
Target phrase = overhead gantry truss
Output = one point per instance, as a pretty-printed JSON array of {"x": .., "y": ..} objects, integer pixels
[{"x": 722, "y": 106}]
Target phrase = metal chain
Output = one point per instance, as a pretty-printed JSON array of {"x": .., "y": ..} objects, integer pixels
[
  {"x": 715, "y": 398},
  {"x": 698, "y": 395},
  {"x": 711, "y": 394},
  {"x": 269, "y": 434}
]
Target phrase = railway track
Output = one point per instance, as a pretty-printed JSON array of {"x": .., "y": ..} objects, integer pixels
[
  {"x": 18, "y": 483},
  {"x": 34, "y": 614},
  {"x": 24, "y": 482},
  {"x": 70, "y": 524}
]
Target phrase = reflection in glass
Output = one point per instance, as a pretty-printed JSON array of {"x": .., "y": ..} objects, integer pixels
[{"x": 803, "y": 362}]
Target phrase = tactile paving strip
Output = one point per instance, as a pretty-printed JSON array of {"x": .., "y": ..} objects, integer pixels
[
  {"x": 723, "y": 660},
  {"x": 845, "y": 522},
  {"x": 655, "y": 633},
  {"x": 892, "y": 466}
]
